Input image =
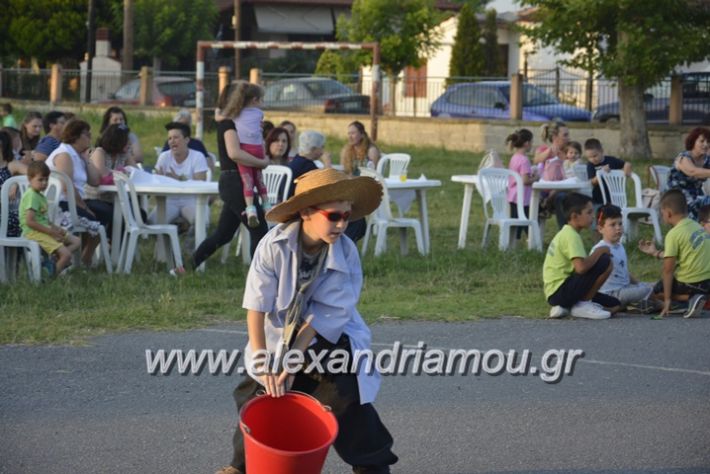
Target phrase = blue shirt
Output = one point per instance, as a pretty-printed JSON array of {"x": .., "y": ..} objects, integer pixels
[
  {"x": 47, "y": 145},
  {"x": 331, "y": 299}
]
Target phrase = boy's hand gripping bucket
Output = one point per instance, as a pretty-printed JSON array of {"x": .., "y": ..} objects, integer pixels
[{"x": 286, "y": 435}]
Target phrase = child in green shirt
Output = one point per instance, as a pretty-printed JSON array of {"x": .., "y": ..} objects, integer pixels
[
  {"x": 34, "y": 221},
  {"x": 571, "y": 278},
  {"x": 686, "y": 258}
]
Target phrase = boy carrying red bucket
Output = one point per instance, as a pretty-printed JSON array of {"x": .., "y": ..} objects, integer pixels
[{"x": 304, "y": 282}]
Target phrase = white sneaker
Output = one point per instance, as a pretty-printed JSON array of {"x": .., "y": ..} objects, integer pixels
[
  {"x": 558, "y": 312},
  {"x": 695, "y": 306},
  {"x": 589, "y": 310}
]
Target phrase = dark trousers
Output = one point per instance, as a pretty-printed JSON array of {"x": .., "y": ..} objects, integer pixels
[
  {"x": 363, "y": 440},
  {"x": 230, "y": 190},
  {"x": 519, "y": 229},
  {"x": 576, "y": 286}
]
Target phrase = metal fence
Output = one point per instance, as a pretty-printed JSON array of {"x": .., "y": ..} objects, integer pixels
[{"x": 413, "y": 94}]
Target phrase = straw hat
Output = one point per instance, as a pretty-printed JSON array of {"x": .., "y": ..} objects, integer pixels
[{"x": 327, "y": 185}]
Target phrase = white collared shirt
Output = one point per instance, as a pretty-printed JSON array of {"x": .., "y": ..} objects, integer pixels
[{"x": 331, "y": 299}]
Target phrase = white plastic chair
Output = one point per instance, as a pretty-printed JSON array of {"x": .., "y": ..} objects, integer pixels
[
  {"x": 277, "y": 178},
  {"x": 398, "y": 164},
  {"x": 12, "y": 244},
  {"x": 495, "y": 182},
  {"x": 615, "y": 184},
  {"x": 65, "y": 187},
  {"x": 134, "y": 226},
  {"x": 381, "y": 220},
  {"x": 659, "y": 174}
]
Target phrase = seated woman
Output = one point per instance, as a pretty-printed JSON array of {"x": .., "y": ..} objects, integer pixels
[
  {"x": 310, "y": 149},
  {"x": 183, "y": 164},
  {"x": 30, "y": 131},
  {"x": 290, "y": 127},
  {"x": 10, "y": 167},
  {"x": 116, "y": 115},
  {"x": 277, "y": 146},
  {"x": 184, "y": 116},
  {"x": 111, "y": 154},
  {"x": 359, "y": 152},
  {"x": 71, "y": 159},
  {"x": 690, "y": 170}
]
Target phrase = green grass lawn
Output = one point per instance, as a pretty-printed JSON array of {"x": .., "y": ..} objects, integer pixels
[{"x": 449, "y": 284}]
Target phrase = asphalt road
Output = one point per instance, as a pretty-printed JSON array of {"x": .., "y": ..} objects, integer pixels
[{"x": 638, "y": 401}]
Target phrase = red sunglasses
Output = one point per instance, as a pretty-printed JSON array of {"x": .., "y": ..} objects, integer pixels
[{"x": 334, "y": 216}]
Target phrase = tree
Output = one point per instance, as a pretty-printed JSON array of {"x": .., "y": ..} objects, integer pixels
[
  {"x": 491, "y": 51},
  {"x": 636, "y": 42},
  {"x": 165, "y": 31},
  {"x": 341, "y": 64},
  {"x": 467, "y": 58},
  {"x": 48, "y": 30},
  {"x": 406, "y": 30}
]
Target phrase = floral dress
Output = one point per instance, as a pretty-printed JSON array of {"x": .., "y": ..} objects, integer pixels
[
  {"x": 13, "y": 224},
  {"x": 691, "y": 187}
]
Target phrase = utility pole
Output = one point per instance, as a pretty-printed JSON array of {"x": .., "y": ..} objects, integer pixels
[
  {"x": 236, "y": 21},
  {"x": 127, "y": 62},
  {"x": 90, "y": 47}
]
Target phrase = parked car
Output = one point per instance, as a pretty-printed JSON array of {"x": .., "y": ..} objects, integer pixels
[
  {"x": 315, "y": 94},
  {"x": 167, "y": 92},
  {"x": 491, "y": 100},
  {"x": 696, "y": 103}
]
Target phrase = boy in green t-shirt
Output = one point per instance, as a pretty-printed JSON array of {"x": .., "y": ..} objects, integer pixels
[
  {"x": 35, "y": 224},
  {"x": 686, "y": 258},
  {"x": 571, "y": 278}
]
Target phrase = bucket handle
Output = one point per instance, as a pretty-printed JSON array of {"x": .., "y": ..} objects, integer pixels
[{"x": 261, "y": 392}]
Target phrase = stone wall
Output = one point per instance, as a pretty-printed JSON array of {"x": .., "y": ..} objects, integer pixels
[
  {"x": 451, "y": 134},
  {"x": 477, "y": 136}
]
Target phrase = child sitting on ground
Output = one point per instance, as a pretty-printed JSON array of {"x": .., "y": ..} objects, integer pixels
[
  {"x": 572, "y": 153},
  {"x": 620, "y": 284},
  {"x": 301, "y": 293},
  {"x": 520, "y": 143},
  {"x": 571, "y": 278},
  {"x": 57, "y": 242},
  {"x": 687, "y": 253}
]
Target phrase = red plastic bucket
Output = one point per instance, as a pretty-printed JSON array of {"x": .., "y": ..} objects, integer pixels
[{"x": 286, "y": 435}]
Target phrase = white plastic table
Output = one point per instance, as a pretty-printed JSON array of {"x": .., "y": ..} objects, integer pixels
[
  {"x": 420, "y": 187},
  {"x": 202, "y": 190},
  {"x": 470, "y": 182}
]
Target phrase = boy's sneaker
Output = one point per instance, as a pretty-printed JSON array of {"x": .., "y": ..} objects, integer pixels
[
  {"x": 229, "y": 470},
  {"x": 589, "y": 310},
  {"x": 558, "y": 312},
  {"x": 66, "y": 271},
  {"x": 695, "y": 306},
  {"x": 252, "y": 217}
]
